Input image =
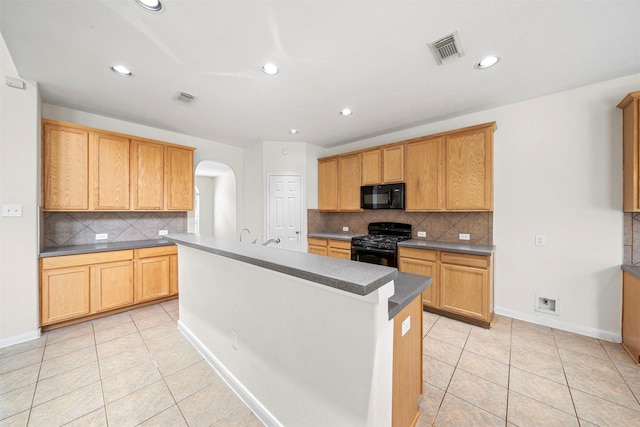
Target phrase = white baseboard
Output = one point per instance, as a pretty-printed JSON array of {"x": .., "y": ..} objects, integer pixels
[
  {"x": 6, "y": 342},
  {"x": 245, "y": 395},
  {"x": 554, "y": 323}
]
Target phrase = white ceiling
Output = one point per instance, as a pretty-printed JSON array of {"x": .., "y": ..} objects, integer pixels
[{"x": 370, "y": 56}]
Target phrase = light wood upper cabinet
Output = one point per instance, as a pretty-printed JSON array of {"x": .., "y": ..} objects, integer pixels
[
  {"x": 425, "y": 175},
  {"x": 630, "y": 106},
  {"x": 92, "y": 170},
  {"x": 469, "y": 171},
  {"x": 384, "y": 165},
  {"x": 349, "y": 178},
  {"x": 147, "y": 172},
  {"x": 179, "y": 179},
  {"x": 110, "y": 166},
  {"x": 393, "y": 164},
  {"x": 328, "y": 184},
  {"x": 371, "y": 167},
  {"x": 65, "y": 164}
]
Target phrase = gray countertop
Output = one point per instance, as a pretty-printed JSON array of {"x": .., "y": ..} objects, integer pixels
[
  {"x": 407, "y": 288},
  {"x": 633, "y": 269},
  {"x": 334, "y": 236},
  {"x": 449, "y": 247},
  {"x": 350, "y": 276},
  {"x": 103, "y": 247}
]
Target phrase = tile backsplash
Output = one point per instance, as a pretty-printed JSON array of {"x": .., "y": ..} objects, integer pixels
[
  {"x": 439, "y": 226},
  {"x": 80, "y": 228},
  {"x": 631, "y": 238}
]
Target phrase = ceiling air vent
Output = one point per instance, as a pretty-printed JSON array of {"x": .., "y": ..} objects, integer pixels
[
  {"x": 185, "y": 97},
  {"x": 447, "y": 48}
]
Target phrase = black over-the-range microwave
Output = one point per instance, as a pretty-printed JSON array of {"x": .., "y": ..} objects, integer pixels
[{"x": 383, "y": 196}]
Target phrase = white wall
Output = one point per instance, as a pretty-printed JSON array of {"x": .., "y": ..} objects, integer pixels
[
  {"x": 253, "y": 194},
  {"x": 224, "y": 207},
  {"x": 558, "y": 172},
  {"x": 19, "y": 184},
  {"x": 205, "y": 187}
]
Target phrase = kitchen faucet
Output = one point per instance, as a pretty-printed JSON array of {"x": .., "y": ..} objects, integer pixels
[
  {"x": 275, "y": 240},
  {"x": 243, "y": 230}
]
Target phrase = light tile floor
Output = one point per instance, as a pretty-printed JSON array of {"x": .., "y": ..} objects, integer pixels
[{"x": 135, "y": 368}]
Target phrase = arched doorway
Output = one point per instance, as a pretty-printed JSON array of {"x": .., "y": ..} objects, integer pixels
[{"x": 216, "y": 207}]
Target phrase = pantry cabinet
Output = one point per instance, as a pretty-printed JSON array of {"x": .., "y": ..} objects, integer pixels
[
  {"x": 462, "y": 285},
  {"x": 79, "y": 287},
  {"x": 630, "y": 106},
  {"x": 86, "y": 169}
]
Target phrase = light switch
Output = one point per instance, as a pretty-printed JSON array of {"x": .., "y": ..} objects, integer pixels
[{"x": 540, "y": 240}]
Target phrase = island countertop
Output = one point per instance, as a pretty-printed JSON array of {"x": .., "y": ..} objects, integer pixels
[{"x": 350, "y": 276}]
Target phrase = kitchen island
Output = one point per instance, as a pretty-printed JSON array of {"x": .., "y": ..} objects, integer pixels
[{"x": 304, "y": 340}]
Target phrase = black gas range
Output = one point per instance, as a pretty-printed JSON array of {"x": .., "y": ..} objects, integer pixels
[{"x": 380, "y": 246}]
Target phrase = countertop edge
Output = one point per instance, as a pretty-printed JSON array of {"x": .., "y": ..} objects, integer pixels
[
  {"x": 103, "y": 247},
  {"x": 485, "y": 250},
  {"x": 263, "y": 257},
  {"x": 632, "y": 269},
  {"x": 407, "y": 288},
  {"x": 333, "y": 236}
]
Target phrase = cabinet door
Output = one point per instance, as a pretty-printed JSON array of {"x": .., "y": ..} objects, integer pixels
[
  {"x": 179, "y": 177},
  {"x": 64, "y": 294},
  {"x": 469, "y": 171},
  {"x": 465, "y": 291},
  {"x": 152, "y": 278},
  {"x": 111, "y": 171},
  {"x": 328, "y": 185},
  {"x": 371, "y": 167},
  {"x": 340, "y": 253},
  {"x": 430, "y": 296},
  {"x": 173, "y": 274},
  {"x": 393, "y": 164},
  {"x": 425, "y": 175},
  {"x": 631, "y": 315},
  {"x": 65, "y": 162},
  {"x": 111, "y": 285},
  {"x": 349, "y": 177},
  {"x": 147, "y": 175}
]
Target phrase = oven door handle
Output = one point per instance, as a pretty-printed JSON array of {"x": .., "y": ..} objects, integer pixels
[{"x": 373, "y": 250}]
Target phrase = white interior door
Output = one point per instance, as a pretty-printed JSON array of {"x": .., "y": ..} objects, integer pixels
[{"x": 285, "y": 211}]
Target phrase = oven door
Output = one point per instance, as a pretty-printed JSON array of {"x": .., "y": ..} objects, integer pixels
[{"x": 386, "y": 257}]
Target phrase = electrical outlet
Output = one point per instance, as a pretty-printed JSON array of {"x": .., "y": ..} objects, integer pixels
[
  {"x": 345, "y": 228},
  {"x": 422, "y": 234},
  {"x": 540, "y": 240},
  {"x": 102, "y": 236},
  {"x": 11, "y": 210},
  {"x": 163, "y": 232},
  {"x": 465, "y": 236}
]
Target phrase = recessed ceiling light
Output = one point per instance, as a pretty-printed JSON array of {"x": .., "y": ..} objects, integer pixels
[
  {"x": 488, "y": 61},
  {"x": 346, "y": 112},
  {"x": 153, "y": 5},
  {"x": 121, "y": 70},
  {"x": 293, "y": 131},
  {"x": 270, "y": 69}
]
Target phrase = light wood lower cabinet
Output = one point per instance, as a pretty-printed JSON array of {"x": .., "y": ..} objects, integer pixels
[
  {"x": 407, "y": 365},
  {"x": 462, "y": 283},
  {"x": 631, "y": 315},
  {"x": 77, "y": 287},
  {"x": 330, "y": 247}
]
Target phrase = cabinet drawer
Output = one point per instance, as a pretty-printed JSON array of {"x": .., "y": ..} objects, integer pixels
[
  {"x": 85, "y": 259},
  {"x": 478, "y": 261},
  {"x": 317, "y": 242},
  {"x": 159, "y": 251},
  {"x": 423, "y": 254},
  {"x": 340, "y": 244}
]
